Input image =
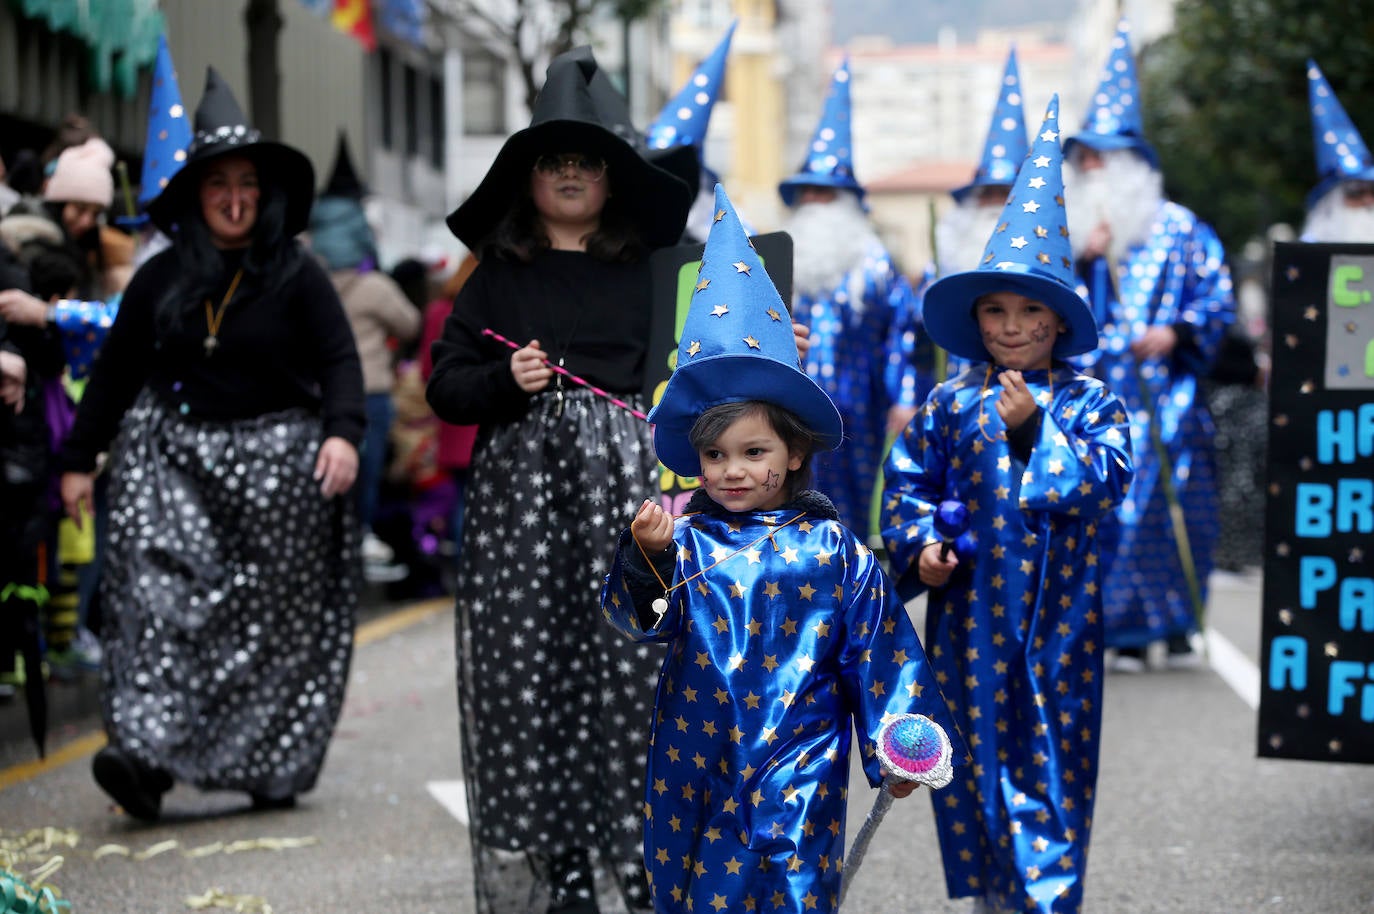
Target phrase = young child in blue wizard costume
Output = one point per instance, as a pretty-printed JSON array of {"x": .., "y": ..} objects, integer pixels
[
  {"x": 781, "y": 623},
  {"x": 1036, "y": 454}
]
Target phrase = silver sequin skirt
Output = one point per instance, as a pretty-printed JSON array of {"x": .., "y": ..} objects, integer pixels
[{"x": 230, "y": 589}]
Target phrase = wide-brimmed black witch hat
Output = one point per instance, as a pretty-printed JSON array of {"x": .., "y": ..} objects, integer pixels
[
  {"x": 222, "y": 129},
  {"x": 343, "y": 179},
  {"x": 574, "y": 113}
]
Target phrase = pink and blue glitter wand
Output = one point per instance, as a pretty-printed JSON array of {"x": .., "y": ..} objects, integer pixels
[{"x": 911, "y": 747}]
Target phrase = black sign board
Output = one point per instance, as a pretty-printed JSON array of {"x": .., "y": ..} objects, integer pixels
[{"x": 1317, "y": 640}]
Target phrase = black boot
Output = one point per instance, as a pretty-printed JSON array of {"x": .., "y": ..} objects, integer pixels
[
  {"x": 574, "y": 891},
  {"x": 262, "y": 802},
  {"x": 135, "y": 787}
]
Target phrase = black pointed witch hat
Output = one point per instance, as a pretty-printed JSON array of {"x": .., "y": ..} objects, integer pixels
[
  {"x": 343, "y": 179},
  {"x": 574, "y": 113},
  {"x": 221, "y": 129}
]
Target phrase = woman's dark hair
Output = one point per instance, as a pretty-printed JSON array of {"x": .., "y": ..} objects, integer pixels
[
  {"x": 413, "y": 278},
  {"x": 519, "y": 235},
  {"x": 54, "y": 270},
  {"x": 26, "y": 173},
  {"x": 74, "y": 130},
  {"x": 787, "y": 425},
  {"x": 92, "y": 252},
  {"x": 271, "y": 259}
]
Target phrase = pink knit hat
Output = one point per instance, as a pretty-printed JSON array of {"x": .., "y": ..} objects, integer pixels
[{"x": 82, "y": 175}]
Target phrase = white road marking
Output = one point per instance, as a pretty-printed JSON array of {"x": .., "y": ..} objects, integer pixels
[
  {"x": 1235, "y": 669},
  {"x": 452, "y": 796}
]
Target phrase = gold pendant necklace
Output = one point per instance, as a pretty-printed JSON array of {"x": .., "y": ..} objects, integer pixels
[{"x": 214, "y": 318}]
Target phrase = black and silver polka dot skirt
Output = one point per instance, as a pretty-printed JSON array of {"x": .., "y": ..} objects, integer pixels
[
  {"x": 230, "y": 589},
  {"x": 554, "y": 703}
]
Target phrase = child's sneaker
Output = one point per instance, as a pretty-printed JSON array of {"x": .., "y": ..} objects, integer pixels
[
  {"x": 1184, "y": 652},
  {"x": 82, "y": 658},
  {"x": 376, "y": 552},
  {"x": 1128, "y": 660}
]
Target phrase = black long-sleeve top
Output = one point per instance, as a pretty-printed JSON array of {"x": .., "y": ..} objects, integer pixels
[
  {"x": 591, "y": 315},
  {"x": 288, "y": 348}
]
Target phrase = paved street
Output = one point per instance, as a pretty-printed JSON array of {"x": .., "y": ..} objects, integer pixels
[{"x": 1188, "y": 819}]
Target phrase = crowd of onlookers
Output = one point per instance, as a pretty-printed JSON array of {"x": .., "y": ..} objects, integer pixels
[{"x": 68, "y": 249}]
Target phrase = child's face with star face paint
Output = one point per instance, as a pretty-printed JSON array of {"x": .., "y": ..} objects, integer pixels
[
  {"x": 1019, "y": 332},
  {"x": 746, "y": 467}
]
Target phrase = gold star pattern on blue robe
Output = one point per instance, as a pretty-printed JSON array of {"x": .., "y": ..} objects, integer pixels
[
  {"x": 1015, "y": 637},
  {"x": 793, "y": 629}
]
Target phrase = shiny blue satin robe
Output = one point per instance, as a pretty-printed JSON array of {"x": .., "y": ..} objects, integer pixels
[
  {"x": 792, "y": 630},
  {"x": 863, "y": 355},
  {"x": 1177, "y": 277},
  {"x": 1016, "y": 635}
]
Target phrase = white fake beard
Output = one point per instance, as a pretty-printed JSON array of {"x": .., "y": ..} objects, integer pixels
[
  {"x": 1126, "y": 191},
  {"x": 829, "y": 240},
  {"x": 962, "y": 235},
  {"x": 1332, "y": 221}
]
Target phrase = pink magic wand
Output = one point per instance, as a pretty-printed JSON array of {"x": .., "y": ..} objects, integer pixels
[{"x": 487, "y": 331}]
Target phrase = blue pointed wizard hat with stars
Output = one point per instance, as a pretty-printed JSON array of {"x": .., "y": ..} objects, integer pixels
[
  {"x": 829, "y": 159},
  {"x": 736, "y": 345},
  {"x": 1114, "y": 120},
  {"x": 169, "y": 130},
  {"x": 683, "y": 121},
  {"x": 1028, "y": 254},
  {"x": 1341, "y": 152},
  {"x": 1005, "y": 146}
]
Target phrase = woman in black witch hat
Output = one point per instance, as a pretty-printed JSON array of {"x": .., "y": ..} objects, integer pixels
[
  {"x": 231, "y": 390},
  {"x": 554, "y": 704}
]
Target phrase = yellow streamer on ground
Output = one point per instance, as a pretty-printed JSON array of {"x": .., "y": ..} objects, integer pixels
[{"x": 218, "y": 898}]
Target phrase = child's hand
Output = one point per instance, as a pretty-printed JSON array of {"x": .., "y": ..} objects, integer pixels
[
  {"x": 528, "y": 367},
  {"x": 1016, "y": 403},
  {"x": 652, "y": 527},
  {"x": 933, "y": 570},
  {"x": 903, "y": 788}
]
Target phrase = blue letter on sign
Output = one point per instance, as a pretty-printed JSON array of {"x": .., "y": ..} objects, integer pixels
[{"x": 1288, "y": 663}]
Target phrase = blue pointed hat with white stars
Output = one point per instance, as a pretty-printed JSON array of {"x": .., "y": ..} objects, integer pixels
[
  {"x": 683, "y": 121},
  {"x": 829, "y": 159},
  {"x": 1005, "y": 146},
  {"x": 1341, "y": 152},
  {"x": 1028, "y": 254},
  {"x": 1114, "y": 120},
  {"x": 736, "y": 345},
  {"x": 169, "y": 131}
]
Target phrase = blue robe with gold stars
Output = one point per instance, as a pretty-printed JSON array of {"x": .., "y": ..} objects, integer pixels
[
  {"x": 784, "y": 627},
  {"x": 1015, "y": 637},
  {"x": 1176, "y": 278},
  {"x": 863, "y": 355}
]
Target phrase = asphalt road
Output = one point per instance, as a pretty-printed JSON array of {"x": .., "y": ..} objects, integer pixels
[{"x": 1188, "y": 818}]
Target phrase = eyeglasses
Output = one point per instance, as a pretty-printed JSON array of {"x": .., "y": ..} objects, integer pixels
[
  {"x": 588, "y": 168},
  {"x": 1357, "y": 190}
]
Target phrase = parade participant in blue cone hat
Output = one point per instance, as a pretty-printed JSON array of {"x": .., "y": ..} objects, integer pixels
[
  {"x": 378, "y": 312},
  {"x": 169, "y": 131},
  {"x": 963, "y": 229},
  {"x": 230, "y": 399},
  {"x": 562, "y": 223},
  {"x": 759, "y": 566},
  {"x": 1156, "y": 277},
  {"x": 1038, "y": 454},
  {"x": 683, "y": 122},
  {"x": 1341, "y": 206},
  {"x": 859, "y": 307}
]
